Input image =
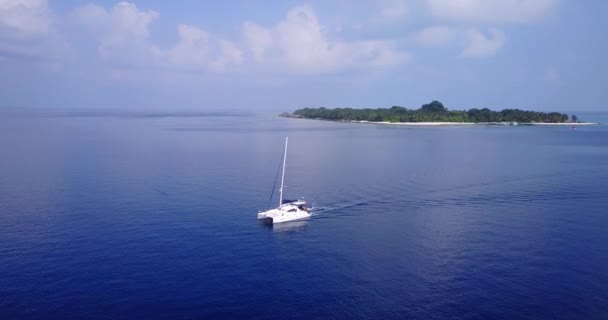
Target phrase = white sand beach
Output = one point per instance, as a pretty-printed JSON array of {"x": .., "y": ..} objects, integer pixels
[
  {"x": 421, "y": 124},
  {"x": 564, "y": 124},
  {"x": 427, "y": 123}
]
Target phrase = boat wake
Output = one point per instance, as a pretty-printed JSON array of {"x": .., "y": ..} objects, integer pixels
[{"x": 333, "y": 207}]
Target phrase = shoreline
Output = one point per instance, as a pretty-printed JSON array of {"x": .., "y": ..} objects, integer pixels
[
  {"x": 564, "y": 124},
  {"x": 417, "y": 124},
  {"x": 440, "y": 123},
  {"x": 431, "y": 124}
]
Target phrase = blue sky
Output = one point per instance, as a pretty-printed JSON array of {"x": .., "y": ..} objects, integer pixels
[{"x": 267, "y": 56}]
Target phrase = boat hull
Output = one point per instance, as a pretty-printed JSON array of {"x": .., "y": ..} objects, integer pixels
[{"x": 278, "y": 216}]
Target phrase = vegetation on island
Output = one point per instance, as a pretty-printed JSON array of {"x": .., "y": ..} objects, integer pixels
[{"x": 432, "y": 112}]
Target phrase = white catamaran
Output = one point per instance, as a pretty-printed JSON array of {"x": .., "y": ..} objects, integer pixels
[{"x": 287, "y": 210}]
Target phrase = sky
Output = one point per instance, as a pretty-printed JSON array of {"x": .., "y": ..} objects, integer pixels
[{"x": 267, "y": 56}]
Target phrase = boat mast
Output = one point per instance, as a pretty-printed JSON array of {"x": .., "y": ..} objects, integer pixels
[{"x": 283, "y": 175}]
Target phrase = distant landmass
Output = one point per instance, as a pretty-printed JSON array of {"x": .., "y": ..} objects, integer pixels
[{"x": 431, "y": 113}]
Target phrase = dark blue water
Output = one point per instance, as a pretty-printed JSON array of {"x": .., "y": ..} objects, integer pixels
[{"x": 154, "y": 218}]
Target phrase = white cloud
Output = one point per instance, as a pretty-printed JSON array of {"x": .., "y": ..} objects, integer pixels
[
  {"x": 491, "y": 11},
  {"x": 434, "y": 36},
  {"x": 476, "y": 43},
  {"x": 122, "y": 32},
  {"x": 297, "y": 44},
  {"x": 25, "y": 17},
  {"x": 123, "y": 20},
  {"x": 258, "y": 39},
  {"x": 229, "y": 54},
  {"x": 393, "y": 10},
  {"x": 196, "y": 49},
  {"x": 192, "y": 47},
  {"x": 480, "y": 45},
  {"x": 300, "y": 44},
  {"x": 28, "y": 31}
]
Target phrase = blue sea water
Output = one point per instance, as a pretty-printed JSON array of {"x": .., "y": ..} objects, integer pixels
[{"x": 154, "y": 218}]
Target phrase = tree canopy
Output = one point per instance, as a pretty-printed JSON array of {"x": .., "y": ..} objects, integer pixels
[{"x": 430, "y": 112}]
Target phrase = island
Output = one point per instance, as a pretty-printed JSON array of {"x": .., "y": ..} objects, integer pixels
[{"x": 435, "y": 113}]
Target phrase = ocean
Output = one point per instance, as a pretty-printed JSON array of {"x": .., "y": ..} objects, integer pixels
[{"x": 153, "y": 217}]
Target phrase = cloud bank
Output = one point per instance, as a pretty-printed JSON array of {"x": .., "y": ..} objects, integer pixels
[
  {"x": 299, "y": 43},
  {"x": 29, "y": 31}
]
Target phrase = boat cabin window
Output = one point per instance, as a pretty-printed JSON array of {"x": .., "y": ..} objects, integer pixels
[{"x": 291, "y": 210}]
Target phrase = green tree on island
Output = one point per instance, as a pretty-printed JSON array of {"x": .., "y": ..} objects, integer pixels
[{"x": 434, "y": 111}]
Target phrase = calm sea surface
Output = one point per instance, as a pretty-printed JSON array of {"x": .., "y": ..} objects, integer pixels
[{"x": 155, "y": 218}]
